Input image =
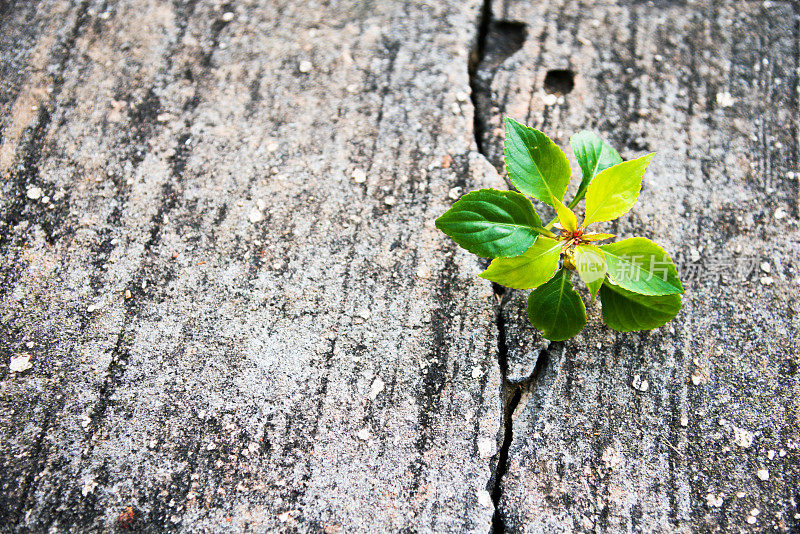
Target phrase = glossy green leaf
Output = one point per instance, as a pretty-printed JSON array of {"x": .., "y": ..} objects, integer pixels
[
  {"x": 590, "y": 262},
  {"x": 641, "y": 266},
  {"x": 614, "y": 191},
  {"x": 594, "y": 155},
  {"x": 626, "y": 311},
  {"x": 492, "y": 223},
  {"x": 531, "y": 269},
  {"x": 566, "y": 216},
  {"x": 556, "y": 309},
  {"x": 536, "y": 166}
]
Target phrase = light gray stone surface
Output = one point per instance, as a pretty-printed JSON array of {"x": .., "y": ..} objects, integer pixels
[
  {"x": 240, "y": 317},
  {"x": 301, "y": 349},
  {"x": 652, "y": 432}
]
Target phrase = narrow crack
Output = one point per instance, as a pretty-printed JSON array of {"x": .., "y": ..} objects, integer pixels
[
  {"x": 475, "y": 59},
  {"x": 509, "y": 396}
]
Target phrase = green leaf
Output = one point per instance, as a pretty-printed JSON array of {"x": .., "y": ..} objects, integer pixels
[
  {"x": 556, "y": 309},
  {"x": 536, "y": 166},
  {"x": 641, "y": 266},
  {"x": 594, "y": 155},
  {"x": 591, "y": 266},
  {"x": 614, "y": 191},
  {"x": 565, "y": 215},
  {"x": 492, "y": 223},
  {"x": 532, "y": 269},
  {"x": 626, "y": 311}
]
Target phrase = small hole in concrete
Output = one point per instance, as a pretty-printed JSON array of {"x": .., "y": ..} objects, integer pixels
[{"x": 559, "y": 81}]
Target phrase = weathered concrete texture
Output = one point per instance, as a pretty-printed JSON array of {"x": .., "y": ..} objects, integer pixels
[
  {"x": 218, "y": 252},
  {"x": 692, "y": 427}
]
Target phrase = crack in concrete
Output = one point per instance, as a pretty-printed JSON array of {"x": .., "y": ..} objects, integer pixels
[{"x": 495, "y": 41}]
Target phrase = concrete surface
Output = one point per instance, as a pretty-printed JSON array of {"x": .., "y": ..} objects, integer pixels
[{"x": 226, "y": 306}]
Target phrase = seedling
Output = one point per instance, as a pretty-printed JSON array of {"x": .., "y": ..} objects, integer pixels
[{"x": 637, "y": 281}]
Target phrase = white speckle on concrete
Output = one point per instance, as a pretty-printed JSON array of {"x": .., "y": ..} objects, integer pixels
[
  {"x": 549, "y": 100},
  {"x": 88, "y": 487},
  {"x": 684, "y": 420},
  {"x": 377, "y": 386},
  {"x": 725, "y": 99},
  {"x": 765, "y": 267},
  {"x": 305, "y": 66},
  {"x": 255, "y": 216},
  {"x": 485, "y": 498},
  {"x": 694, "y": 254},
  {"x": 780, "y": 213},
  {"x": 771, "y": 454},
  {"x": 359, "y": 176},
  {"x": 766, "y": 280},
  {"x": 486, "y": 448},
  {"x": 751, "y": 520},
  {"x": 714, "y": 500},
  {"x": 742, "y": 437},
  {"x": 34, "y": 193},
  {"x": 476, "y": 372},
  {"x": 364, "y": 434},
  {"x": 762, "y": 474},
  {"x": 20, "y": 363},
  {"x": 390, "y": 201},
  {"x": 227, "y": 16},
  {"x": 462, "y": 96},
  {"x": 639, "y": 383}
]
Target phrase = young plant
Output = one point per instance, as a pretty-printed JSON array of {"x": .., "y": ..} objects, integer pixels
[{"x": 637, "y": 281}]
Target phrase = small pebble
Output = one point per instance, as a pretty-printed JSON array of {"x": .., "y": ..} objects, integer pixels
[
  {"x": 377, "y": 386},
  {"x": 128, "y": 294},
  {"x": 684, "y": 421},
  {"x": 765, "y": 267},
  {"x": 725, "y": 99},
  {"x": 485, "y": 499},
  {"x": 640, "y": 384},
  {"x": 454, "y": 193},
  {"x": 762, "y": 474},
  {"x": 780, "y": 213},
  {"x": 227, "y": 16},
  {"x": 305, "y": 66},
  {"x": 359, "y": 176},
  {"x": 455, "y": 108},
  {"x": 754, "y": 512},
  {"x": 34, "y": 193},
  {"x": 476, "y": 372},
  {"x": 740, "y": 494},
  {"x": 390, "y": 201},
  {"x": 549, "y": 100},
  {"x": 751, "y": 520},
  {"x": 771, "y": 455},
  {"x": 714, "y": 500},
  {"x": 364, "y": 434},
  {"x": 255, "y": 216},
  {"x": 364, "y": 313},
  {"x": 20, "y": 363},
  {"x": 461, "y": 96},
  {"x": 766, "y": 280},
  {"x": 485, "y": 448}
]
